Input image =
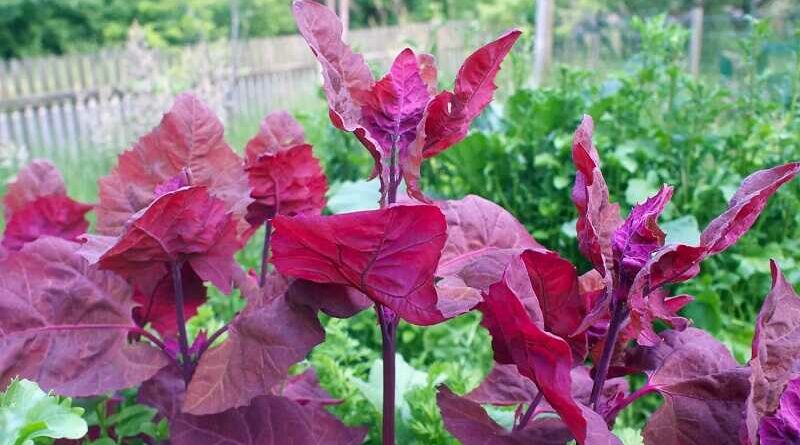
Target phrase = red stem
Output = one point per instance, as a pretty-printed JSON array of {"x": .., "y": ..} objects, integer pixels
[
  {"x": 388, "y": 321},
  {"x": 265, "y": 252},
  {"x": 529, "y": 412},
  {"x": 634, "y": 396},
  {"x": 183, "y": 338},
  {"x": 601, "y": 370},
  {"x": 212, "y": 339}
]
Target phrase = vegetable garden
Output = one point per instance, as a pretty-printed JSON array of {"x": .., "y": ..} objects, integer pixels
[{"x": 522, "y": 274}]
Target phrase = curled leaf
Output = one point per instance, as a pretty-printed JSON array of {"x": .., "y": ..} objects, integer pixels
[
  {"x": 389, "y": 255},
  {"x": 54, "y": 215},
  {"x": 38, "y": 179},
  {"x": 188, "y": 141},
  {"x": 482, "y": 237},
  {"x": 776, "y": 352},
  {"x": 187, "y": 225}
]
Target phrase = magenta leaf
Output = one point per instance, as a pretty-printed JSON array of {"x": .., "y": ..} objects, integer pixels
[
  {"x": 285, "y": 179},
  {"x": 397, "y": 118},
  {"x": 554, "y": 281},
  {"x": 746, "y": 205},
  {"x": 38, "y": 179},
  {"x": 482, "y": 237},
  {"x": 783, "y": 428},
  {"x": 65, "y": 324},
  {"x": 347, "y": 78},
  {"x": 36, "y": 204},
  {"x": 449, "y": 114},
  {"x": 267, "y": 338},
  {"x": 704, "y": 392},
  {"x": 188, "y": 141},
  {"x": 389, "y": 255},
  {"x": 394, "y": 108},
  {"x": 776, "y": 352},
  {"x": 677, "y": 263},
  {"x": 598, "y": 218},
  {"x": 544, "y": 358},
  {"x": 639, "y": 236},
  {"x": 279, "y": 131},
  {"x": 54, "y": 215},
  {"x": 187, "y": 225}
]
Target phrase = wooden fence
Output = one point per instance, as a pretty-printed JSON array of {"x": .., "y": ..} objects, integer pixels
[{"x": 56, "y": 105}]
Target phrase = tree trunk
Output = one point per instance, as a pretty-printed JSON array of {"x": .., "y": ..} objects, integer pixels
[{"x": 543, "y": 47}]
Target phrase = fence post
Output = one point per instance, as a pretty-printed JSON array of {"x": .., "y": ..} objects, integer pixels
[
  {"x": 543, "y": 46},
  {"x": 344, "y": 17},
  {"x": 696, "y": 43}
]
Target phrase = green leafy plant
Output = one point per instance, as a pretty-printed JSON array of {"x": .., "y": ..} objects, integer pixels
[{"x": 28, "y": 413}]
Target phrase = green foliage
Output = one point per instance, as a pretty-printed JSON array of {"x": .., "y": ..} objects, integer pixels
[
  {"x": 120, "y": 420},
  {"x": 28, "y": 413}
]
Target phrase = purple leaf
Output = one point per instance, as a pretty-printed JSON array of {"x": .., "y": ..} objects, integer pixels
[
  {"x": 65, "y": 324},
  {"x": 268, "y": 337},
  {"x": 776, "y": 351},
  {"x": 335, "y": 300},
  {"x": 544, "y": 358},
  {"x": 637, "y": 238},
  {"x": 468, "y": 422},
  {"x": 267, "y": 420},
  {"x": 598, "y": 218},
  {"x": 784, "y": 427},
  {"x": 482, "y": 237},
  {"x": 704, "y": 391}
]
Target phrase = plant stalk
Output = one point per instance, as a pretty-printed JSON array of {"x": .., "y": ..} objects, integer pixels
[
  {"x": 388, "y": 321},
  {"x": 529, "y": 412},
  {"x": 634, "y": 396},
  {"x": 183, "y": 338},
  {"x": 265, "y": 253},
  {"x": 601, "y": 370}
]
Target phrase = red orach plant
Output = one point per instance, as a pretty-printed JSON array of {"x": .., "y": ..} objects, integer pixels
[
  {"x": 545, "y": 321},
  {"x": 92, "y": 318},
  {"x": 390, "y": 255},
  {"x": 88, "y": 314}
]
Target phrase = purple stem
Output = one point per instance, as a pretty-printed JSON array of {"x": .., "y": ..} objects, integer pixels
[
  {"x": 265, "y": 252},
  {"x": 212, "y": 339},
  {"x": 388, "y": 321},
  {"x": 601, "y": 370},
  {"x": 529, "y": 412},
  {"x": 634, "y": 396},
  {"x": 183, "y": 338}
]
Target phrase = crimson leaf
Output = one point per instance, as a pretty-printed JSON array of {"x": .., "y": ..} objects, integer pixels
[{"x": 389, "y": 255}]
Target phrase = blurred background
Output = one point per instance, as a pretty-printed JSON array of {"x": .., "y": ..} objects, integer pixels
[{"x": 696, "y": 94}]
